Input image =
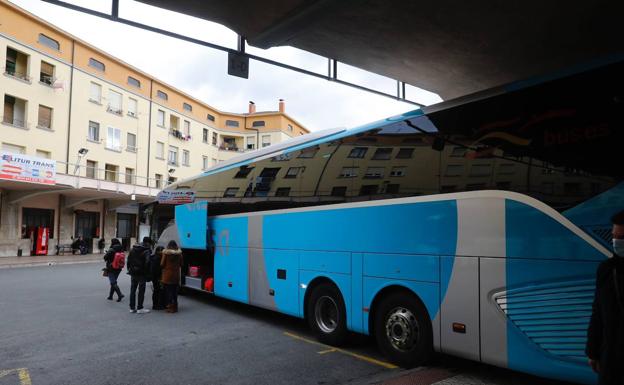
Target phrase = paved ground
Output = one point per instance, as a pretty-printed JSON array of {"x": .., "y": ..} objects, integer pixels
[
  {"x": 48, "y": 260},
  {"x": 57, "y": 328}
]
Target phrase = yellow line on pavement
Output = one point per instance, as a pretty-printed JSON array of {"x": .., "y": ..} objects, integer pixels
[
  {"x": 327, "y": 351},
  {"x": 24, "y": 376},
  {"x": 22, "y": 373},
  {"x": 384, "y": 364}
]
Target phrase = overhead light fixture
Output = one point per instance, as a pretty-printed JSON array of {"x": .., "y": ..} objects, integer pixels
[{"x": 83, "y": 151}]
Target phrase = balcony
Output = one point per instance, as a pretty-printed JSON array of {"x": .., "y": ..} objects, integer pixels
[
  {"x": 114, "y": 110},
  {"x": 231, "y": 143},
  {"x": 17, "y": 74},
  {"x": 228, "y": 147},
  {"x": 179, "y": 134}
]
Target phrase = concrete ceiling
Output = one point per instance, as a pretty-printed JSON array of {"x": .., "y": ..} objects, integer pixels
[{"x": 450, "y": 47}]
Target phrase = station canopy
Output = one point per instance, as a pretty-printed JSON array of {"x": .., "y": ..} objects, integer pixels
[{"x": 450, "y": 47}]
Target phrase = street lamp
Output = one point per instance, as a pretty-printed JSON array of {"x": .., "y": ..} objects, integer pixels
[{"x": 81, "y": 152}]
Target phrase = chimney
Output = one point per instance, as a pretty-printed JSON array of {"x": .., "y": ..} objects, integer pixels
[
  {"x": 282, "y": 106},
  {"x": 252, "y": 107}
]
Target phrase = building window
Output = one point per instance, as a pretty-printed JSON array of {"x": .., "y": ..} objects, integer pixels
[
  {"x": 230, "y": 192},
  {"x": 503, "y": 185},
  {"x": 475, "y": 186},
  {"x": 243, "y": 172},
  {"x": 129, "y": 175},
  {"x": 45, "y": 117},
  {"x": 187, "y": 129},
  {"x": 16, "y": 64},
  {"x": 162, "y": 95},
  {"x": 266, "y": 140},
  {"x": 258, "y": 123},
  {"x": 290, "y": 128},
  {"x": 94, "y": 131},
  {"x": 214, "y": 138},
  {"x": 458, "y": 152},
  {"x": 204, "y": 162},
  {"x": 174, "y": 122},
  {"x": 91, "y": 169},
  {"x": 160, "y": 150},
  {"x": 349, "y": 172},
  {"x": 161, "y": 118},
  {"x": 110, "y": 172},
  {"x": 405, "y": 153},
  {"x": 481, "y": 170},
  {"x": 98, "y": 65},
  {"x": 282, "y": 192},
  {"x": 205, "y": 135},
  {"x": 46, "y": 73},
  {"x": 13, "y": 149},
  {"x": 14, "y": 111},
  {"x": 131, "y": 142},
  {"x": 368, "y": 189},
  {"x": 44, "y": 154},
  {"x": 95, "y": 94},
  {"x": 113, "y": 139},
  {"x": 132, "y": 107},
  {"x": 173, "y": 156},
  {"x": 231, "y": 123},
  {"x": 114, "y": 102},
  {"x": 49, "y": 42},
  {"x": 251, "y": 143},
  {"x": 308, "y": 153},
  {"x": 382, "y": 154},
  {"x": 398, "y": 171},
  {"x": 293, "y": 172},
  {"x": 33, "y": 218},
  {"x": 187, "y": 107},
  {"x": 186, "y": 157},
  {"x": 134, "y": 82},
  {"x": 358, "y": 152},
  {"x": 339, "y": 191},
  {"x": 572, "y": 189},
  {"x": 374, "y": 173},
  {"x": 158, "y": 178},
  {"x": 447, "y": 188},
  {"x": 210, "y": 117},
  {"x": 454, "y": 170}
]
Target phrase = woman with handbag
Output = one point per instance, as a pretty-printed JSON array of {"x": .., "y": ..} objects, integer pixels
[
  {"x": 171, "y": 262},
  {"x": 112, "y": 270}
]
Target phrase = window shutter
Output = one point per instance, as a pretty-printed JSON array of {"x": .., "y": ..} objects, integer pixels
[
  {"x": 47, "y": 68},
  {"x": 45, "y": 116}
]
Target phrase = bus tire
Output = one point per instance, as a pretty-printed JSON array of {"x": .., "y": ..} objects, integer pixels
[
  {"x": 403, "y": 330},
  {"x": 326, "y": 314}
]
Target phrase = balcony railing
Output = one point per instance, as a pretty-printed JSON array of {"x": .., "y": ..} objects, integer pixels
[
  {"x": 103, "y": 175},
  {"x": 17, "y": 74},
  {"x": 179, "y": 134},
  {"x": 114, "y": 110},
  {"x": 46, "y": 79},
  {"x": 229, "y": 147},
  {"x": 46, "y": 124}
]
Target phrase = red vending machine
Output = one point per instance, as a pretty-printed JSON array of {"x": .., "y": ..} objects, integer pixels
[{"x": 41, "y": 246}]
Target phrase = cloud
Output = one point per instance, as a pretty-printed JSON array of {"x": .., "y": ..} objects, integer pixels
[{"x": 202, "y": 72}]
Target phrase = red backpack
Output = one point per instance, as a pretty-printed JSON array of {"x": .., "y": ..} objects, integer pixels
[{"x": 119, "y": 260}]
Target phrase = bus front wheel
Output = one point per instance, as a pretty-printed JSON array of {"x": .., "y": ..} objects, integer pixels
[
  {"x": 326, "y": 314},
  {"x": 403, "y": 330}
]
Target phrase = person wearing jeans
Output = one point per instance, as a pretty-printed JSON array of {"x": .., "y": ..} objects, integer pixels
[
  {"x": 113, "y": 274},
  {"x": 138, "y": 261}
]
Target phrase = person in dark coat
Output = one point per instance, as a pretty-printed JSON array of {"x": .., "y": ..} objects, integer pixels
[
  {"x": 138, "y": 261},
  {"x": 158, "y": 293},
  {"x": 605, "y": 336},
  {"x": 171, "y": 263},
  {"x": 113, "y": 274}
]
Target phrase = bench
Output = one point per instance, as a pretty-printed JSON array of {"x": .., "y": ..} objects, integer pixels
[{"x": 64, "y": 248}]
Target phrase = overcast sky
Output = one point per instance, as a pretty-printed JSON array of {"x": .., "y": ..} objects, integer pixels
[{"x": 202, "y": 72}]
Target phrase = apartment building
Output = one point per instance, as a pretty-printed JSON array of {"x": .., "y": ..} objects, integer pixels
[{"x": 115, "y": 134}]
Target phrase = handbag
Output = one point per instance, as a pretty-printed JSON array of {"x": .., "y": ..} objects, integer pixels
[{"x": 104, "y": 272}]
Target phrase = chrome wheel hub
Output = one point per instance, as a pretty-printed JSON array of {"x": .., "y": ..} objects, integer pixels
[
  {"x": 402, "y": 329},
  {"x": 326, "y": 314}
]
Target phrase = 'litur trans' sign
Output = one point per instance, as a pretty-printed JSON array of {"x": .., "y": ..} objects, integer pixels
[{"x": 26, "y": 168}]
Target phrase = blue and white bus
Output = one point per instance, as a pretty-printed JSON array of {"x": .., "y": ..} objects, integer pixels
[{"x": 473, "y": 227}]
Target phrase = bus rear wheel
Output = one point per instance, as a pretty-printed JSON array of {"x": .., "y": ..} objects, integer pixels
[
  {"x": 403, "y": 330},
  {"x": 326, "y": 314}
]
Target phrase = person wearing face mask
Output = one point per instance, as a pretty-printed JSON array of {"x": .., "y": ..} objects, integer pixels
[{"x": 605, "y": 336}]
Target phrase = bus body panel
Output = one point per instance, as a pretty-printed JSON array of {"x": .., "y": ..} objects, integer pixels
[{"x": 282, "y": 271}]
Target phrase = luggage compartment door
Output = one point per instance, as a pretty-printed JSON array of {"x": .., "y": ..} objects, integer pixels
[{"x": 192, "y": 222}]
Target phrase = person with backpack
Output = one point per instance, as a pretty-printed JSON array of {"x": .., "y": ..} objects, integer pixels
[
  {"x": 115, "y": 259},
  {"x": 171, "y": 263},
  {"x": 158, "y": 293},
  {"x": 138, "y": 269}
]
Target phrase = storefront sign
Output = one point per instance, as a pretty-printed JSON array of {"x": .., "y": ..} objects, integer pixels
[
  {"x": 26, "y": 168},
  {"x": 176, "y": 197}
]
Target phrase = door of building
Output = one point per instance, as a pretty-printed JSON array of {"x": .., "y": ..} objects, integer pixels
[
  {"x": 126, "y": 228},
  {"x": 87, "y": 226}
]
